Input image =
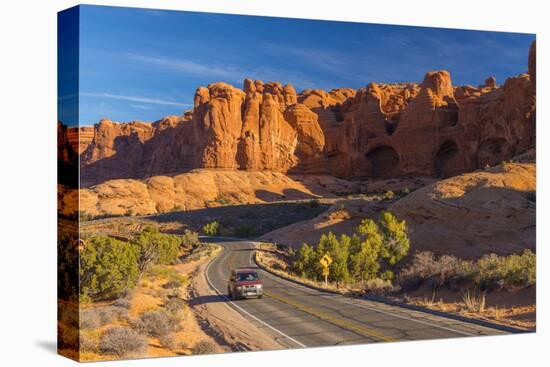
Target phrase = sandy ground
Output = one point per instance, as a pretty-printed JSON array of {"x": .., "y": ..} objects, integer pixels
[{"x": 147, "y": 296}]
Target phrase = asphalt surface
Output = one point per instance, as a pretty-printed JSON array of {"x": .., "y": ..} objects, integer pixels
[{"x": 299, "y": 317}]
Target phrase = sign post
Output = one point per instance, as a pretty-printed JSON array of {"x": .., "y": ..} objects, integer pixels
[{"x": 325, "y": 262}]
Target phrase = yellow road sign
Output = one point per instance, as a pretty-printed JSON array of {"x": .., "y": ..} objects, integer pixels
[{"x": 326, "y": 261}]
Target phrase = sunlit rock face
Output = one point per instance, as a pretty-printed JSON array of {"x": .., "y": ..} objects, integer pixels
[{"x": 431, "y": 128}]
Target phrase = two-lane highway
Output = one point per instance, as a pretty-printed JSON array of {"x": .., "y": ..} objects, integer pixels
[{"x": 298, "y": 316}]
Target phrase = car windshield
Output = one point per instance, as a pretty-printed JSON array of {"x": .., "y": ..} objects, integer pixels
[{"x": 246, "y": 277}]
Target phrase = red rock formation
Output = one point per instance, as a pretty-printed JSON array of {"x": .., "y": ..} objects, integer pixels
[
  {"x": 138, "y": 149},
  {"x": 431, "y": 129},
  {"x": 80, "y": 137}
]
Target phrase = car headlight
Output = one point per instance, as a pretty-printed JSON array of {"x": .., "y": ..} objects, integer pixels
[
  {"x": 239, "y": 288},
  {"x": 258, "y": 286}
]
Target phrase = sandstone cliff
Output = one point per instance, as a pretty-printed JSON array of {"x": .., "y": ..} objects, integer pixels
[
  {"x": 381, "y": 130},
  {"x": 196, "y": 189}
]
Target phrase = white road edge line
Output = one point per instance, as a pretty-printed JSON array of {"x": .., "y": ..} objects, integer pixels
[
  {"x": 310, "y": 291},
  {"x": 243, "y": 310}
]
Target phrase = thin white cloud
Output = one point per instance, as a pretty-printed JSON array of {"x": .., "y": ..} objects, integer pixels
[
  {"x": 136, "y": 99},
  {"x": 188, "y": 66},
  {"x": 232, "y": 74}
]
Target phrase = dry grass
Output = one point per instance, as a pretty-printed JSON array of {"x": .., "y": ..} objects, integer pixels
[
  {"x": 473, "y": 302},
  {"x": 156, "y": 311},
  {"x": 478, "y": 306}
]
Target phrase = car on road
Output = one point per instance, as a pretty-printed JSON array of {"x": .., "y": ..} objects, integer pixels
[{"x": 244, "y": 283}]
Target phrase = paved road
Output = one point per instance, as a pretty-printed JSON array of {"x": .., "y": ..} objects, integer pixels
[{"x": 298, "y": 316}]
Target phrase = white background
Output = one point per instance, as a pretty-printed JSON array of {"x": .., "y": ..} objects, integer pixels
[{"x": 28, "y": 181}]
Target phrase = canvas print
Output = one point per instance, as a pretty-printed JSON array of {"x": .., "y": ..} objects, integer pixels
[{"x": 232, "y": 183}]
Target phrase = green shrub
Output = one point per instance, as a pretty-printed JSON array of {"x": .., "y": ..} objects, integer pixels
[
  {"x": 396, "y": 243},
  {"x": 369, "y": 253},
  {"x": 122, "y": 342},
  {"x": 211, "y": 229},
  {"x": 489, "y": 272},
  {"x": 154, "y": 247},
  {"x": 108, "y": 267},
  {"x": 190, "y": 239},
  {"x": 513, "y": 271}
]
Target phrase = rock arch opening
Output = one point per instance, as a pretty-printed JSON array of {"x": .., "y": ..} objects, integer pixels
[
  {"x": 384, "y": 161},
  {"x": 445, "y": 162}
]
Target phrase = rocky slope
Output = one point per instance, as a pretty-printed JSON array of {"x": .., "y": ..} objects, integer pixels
[
  {"x": 381, "y": 130},
  {"x": 475, "y": 213},
  {"x": 196, "y": 190},
  {"x": 468, "y": 215}
]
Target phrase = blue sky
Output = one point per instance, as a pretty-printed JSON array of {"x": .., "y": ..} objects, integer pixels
[{"x": 142, "y": 64}]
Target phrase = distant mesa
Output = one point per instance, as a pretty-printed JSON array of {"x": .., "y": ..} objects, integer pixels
[{"x": 380, "y": 130}]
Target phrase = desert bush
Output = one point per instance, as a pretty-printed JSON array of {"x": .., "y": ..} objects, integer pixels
[
  {"x": 378, "y": 285},
  {"x": 108, "y": 267},
  {"x": 89, "y": 341},
  {"x": 489, "y": 272},
  {"x": 175, "y": 305},
  {"x": 190, "y": 239},
  {"x": 204, "y": 347},
  {"x": 122, "y": 341},
  {"x": 154, "y": 247},
  {"x": 168, "y": 341},
  {"x": 211, "y": 229},
  {"x": 158, "y": 323},
  {"x": 425, "y": 267},
  {"x": 90, "y": 319},
  {"x": 173, "y": 284},
  {"x": 513, "y": 271},
  {"x": 96, "y": 317}
]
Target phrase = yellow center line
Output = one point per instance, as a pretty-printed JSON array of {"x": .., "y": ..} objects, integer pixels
[{"x": 346, "y": 324}]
